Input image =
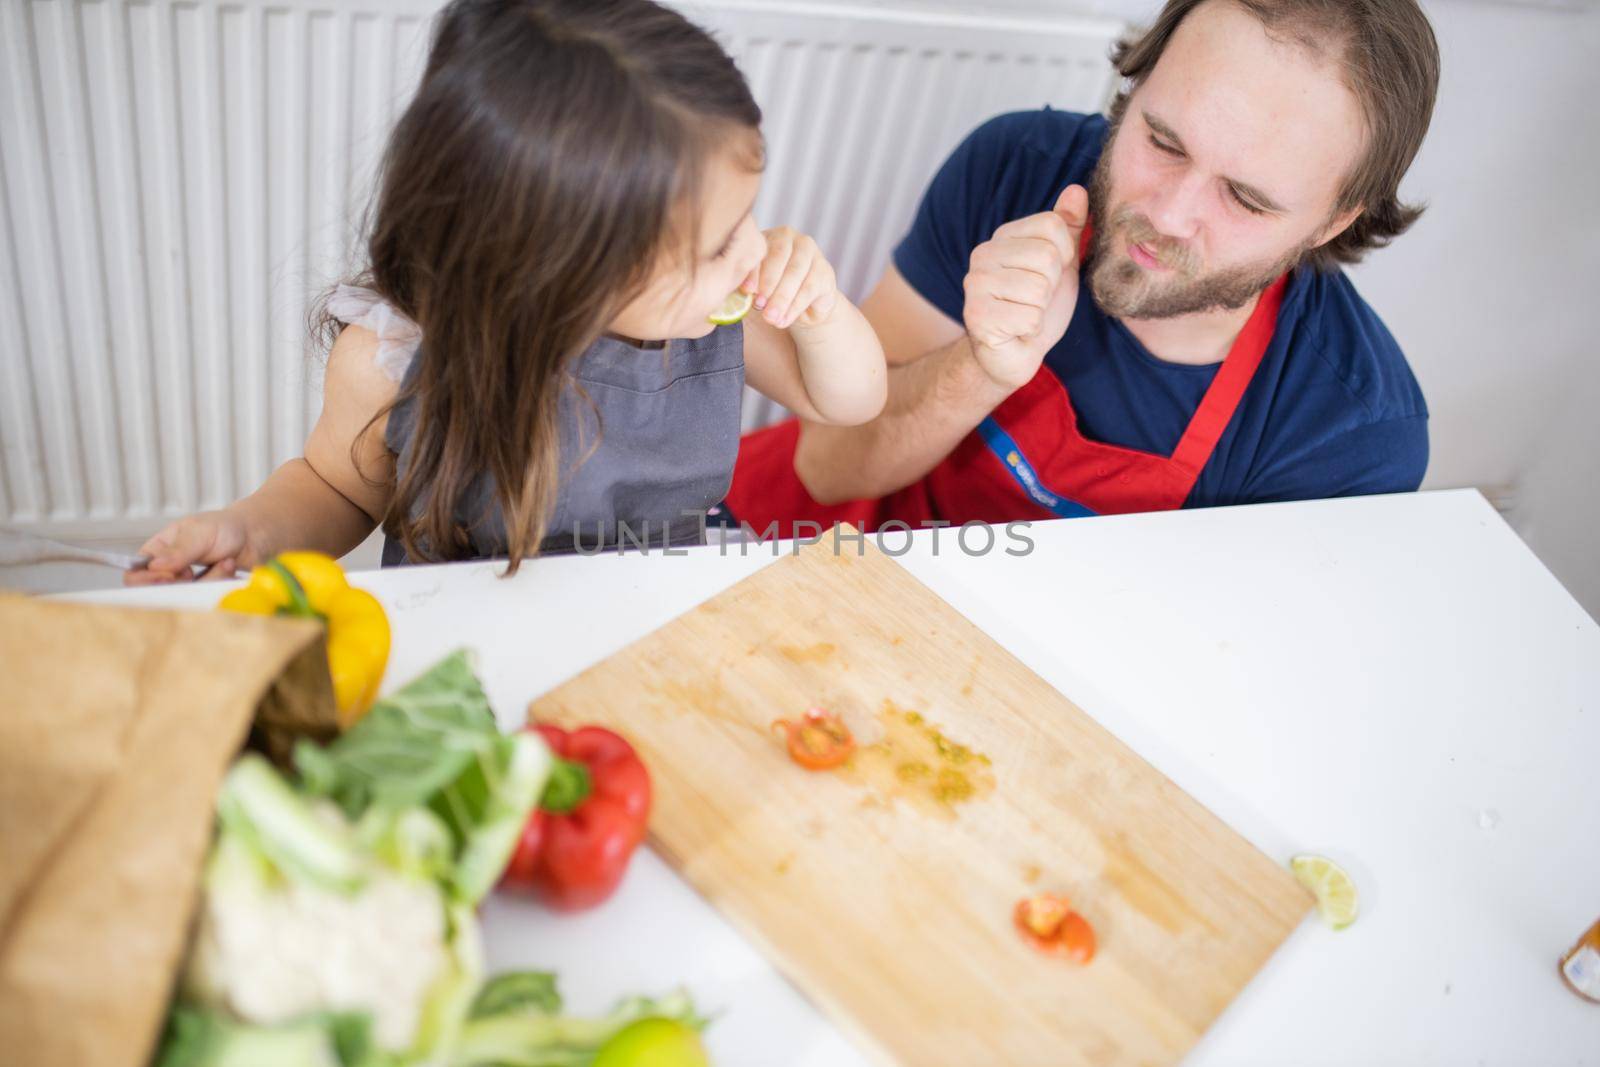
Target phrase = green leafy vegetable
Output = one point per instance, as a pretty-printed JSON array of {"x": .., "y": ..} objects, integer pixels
[
  {"x": 410, "y": 747},
  {"x": 452, "y": 995},
  {"x": 414, "y": 841},
  {"x": 205, "y": 1039},
  {"x": 258, "y": 807},
  {"x": 435, "y": 744},
  {"x": 520, "y": 1038},
  {"x": 518, "y": 992}
]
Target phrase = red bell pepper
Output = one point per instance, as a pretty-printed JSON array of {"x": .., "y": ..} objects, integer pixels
[{"x": 577, "y": 842}]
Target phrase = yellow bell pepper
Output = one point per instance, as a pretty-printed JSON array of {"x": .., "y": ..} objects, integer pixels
[{"x": 312, "y": 585}]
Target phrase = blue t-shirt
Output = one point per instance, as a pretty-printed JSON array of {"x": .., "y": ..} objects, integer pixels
[{"x": 1333, "y": 409}]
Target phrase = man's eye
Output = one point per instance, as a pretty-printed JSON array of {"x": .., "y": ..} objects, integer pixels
[
  {"x": 1163, "y": 146},
  {"x": 1247, "y": 205}
]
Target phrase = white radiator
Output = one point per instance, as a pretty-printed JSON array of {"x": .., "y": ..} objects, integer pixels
[{"x": 180, "y": 178}]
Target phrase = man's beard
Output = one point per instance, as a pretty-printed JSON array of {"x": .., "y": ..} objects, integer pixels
[{"x": 1125, "y": 290}]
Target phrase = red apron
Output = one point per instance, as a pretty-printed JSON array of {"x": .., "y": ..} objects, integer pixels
[{"x": 1027, "y": 460}]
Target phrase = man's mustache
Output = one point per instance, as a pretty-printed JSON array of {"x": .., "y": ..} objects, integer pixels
[{"x": 1169, "y": 251}]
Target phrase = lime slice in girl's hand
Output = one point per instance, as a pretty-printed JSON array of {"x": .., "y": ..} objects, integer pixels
[
  {"x": 1333, "y": 888},
  {"x": 731, "y": 310}
]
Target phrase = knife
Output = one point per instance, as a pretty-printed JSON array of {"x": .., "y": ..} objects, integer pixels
[{"x": 21, "y": 548}]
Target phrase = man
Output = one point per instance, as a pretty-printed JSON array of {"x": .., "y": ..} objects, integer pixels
[{"x": 1145, "y": 312}]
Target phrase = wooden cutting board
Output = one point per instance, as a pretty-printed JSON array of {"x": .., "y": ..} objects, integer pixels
[{"x": 885, "y": 889}]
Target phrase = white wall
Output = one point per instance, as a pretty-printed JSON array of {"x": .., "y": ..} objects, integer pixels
[{"x": 1495, "y": 293}]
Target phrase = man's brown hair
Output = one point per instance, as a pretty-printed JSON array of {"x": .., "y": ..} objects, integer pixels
[{"x": 1389, "y": 58}]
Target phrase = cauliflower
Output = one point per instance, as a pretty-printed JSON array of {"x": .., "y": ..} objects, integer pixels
[
  {"x": 270, "y": 953},
  {"x": 305, "y": 912}
]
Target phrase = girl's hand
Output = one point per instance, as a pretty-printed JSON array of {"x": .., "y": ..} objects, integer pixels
[
  {"x": 216, "y": 540},
  {"x": 794, "y": 285}
]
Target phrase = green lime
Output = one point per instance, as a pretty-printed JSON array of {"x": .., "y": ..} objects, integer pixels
[
  {"x": 653, "y": 1043},
  {"x": 1331, "y": 885},
  {"x": 731, "y": 310}
]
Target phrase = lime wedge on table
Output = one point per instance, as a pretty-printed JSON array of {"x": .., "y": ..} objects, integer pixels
[
  {"x": 1331, "y": 885},
  {"x": 653, "y": 1042},
  {"x": 731, "y": 310}
]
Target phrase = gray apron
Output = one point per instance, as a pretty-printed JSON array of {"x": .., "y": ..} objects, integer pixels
[{"x": 667, "y": 422}]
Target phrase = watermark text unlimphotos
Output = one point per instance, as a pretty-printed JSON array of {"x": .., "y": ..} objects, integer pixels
[{"x": 892, "y": 538}]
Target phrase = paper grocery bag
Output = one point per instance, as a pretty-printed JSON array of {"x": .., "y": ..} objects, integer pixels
[{"x": 116, "y": 727}]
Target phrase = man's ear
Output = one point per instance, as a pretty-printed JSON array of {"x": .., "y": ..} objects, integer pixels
[{"x": 1338, "y": 224}]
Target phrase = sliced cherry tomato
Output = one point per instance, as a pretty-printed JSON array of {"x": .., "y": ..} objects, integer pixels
[
  {"x": 1076, "y": 938},
  {"x": 1039, "y": 918},
  {"x": 818, "y": 742},
  {"x": 1048, "y": 923}
]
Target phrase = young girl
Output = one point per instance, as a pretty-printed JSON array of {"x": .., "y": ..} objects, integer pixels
[{"x": 528, "y": 361}]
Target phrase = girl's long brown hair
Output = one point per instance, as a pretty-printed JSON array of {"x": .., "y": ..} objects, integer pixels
[{"x": 542, "y": 171}]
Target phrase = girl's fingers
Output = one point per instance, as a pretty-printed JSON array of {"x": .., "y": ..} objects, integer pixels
[
  {"x": 151, "y": 573},
  {"x": 192, "y": 544},
  {"x": 164, "y": 560},
  {"x": 219, "y": 571},
  {"x": 793, "y": 279},
  {"x": 174, "y": 570},
  {"x": 815, "y": 303},
  {"x": 210, "y": 541},
  {"x": 160, "y": 542},
  {"x": 156, "y": 573},
  {"x": 772, "y": 270},
  {"x": 781, "y": 302},
  {"x": 808, "y": 294},
  {"x": 780, "y": 249}
]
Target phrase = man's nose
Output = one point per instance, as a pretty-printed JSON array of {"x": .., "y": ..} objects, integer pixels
[{"x": 1175, "y": 212}]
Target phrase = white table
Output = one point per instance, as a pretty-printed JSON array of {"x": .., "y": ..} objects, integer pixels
[{"x": 1395, "y": 682}]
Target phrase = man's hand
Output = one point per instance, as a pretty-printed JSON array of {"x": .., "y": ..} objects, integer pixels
[{"x": 1022, "y": 286}]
